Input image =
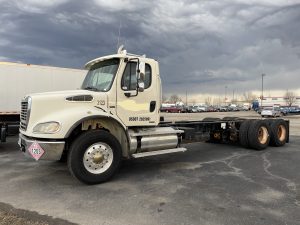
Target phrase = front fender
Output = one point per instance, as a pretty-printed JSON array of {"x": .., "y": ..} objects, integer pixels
[
  {"x": 99, "y": 116},
  {"x": 108, "y": 122},
  {"x": 68, "y": 118}
]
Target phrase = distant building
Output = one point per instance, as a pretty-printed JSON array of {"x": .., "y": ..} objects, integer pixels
[{"x": 278, "y": 101}]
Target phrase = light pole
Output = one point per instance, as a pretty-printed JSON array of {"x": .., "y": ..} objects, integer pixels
[
  {"x": 225, "y": 94},
  {"x": 262, "y": 89},
  {"x": 186, "y": 101}
]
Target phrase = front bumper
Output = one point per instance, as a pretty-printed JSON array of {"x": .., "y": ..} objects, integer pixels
[{"x": 52, "y": 150}]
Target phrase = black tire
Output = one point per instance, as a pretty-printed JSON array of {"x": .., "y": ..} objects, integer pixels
[
  {"x": 243, "y": 133},
  {"x": 269, "y": 121},
  {"x": 278, "y": 133},
  {"x": 64, "y": 157},
  {"x": 211, "y": 119},
  {"x": 259, "y": 134},
  {"x": 79, "y": 149},
  {"x": 3, "y": 133}
]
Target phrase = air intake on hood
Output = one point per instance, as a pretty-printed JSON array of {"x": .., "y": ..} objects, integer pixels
[{"x": 80, "y": 98}]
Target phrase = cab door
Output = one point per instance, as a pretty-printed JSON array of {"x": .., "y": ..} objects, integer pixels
[{"x": 138, "y": 108}]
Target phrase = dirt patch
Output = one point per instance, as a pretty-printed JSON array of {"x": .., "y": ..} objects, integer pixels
[{"x": 12, "y": 216}]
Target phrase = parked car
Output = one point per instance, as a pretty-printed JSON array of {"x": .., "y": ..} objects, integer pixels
[
  {"x": 271, "y": 112},
  {"x": 183, "y": 109},
  {"x": 233, "y": 108},
  {"x": 172, "y": 109},
  {"x": 211, "y": 109},
  {"x": 284, "y": 110},
  {"x": 201, "y": 108},
  {"x": 242, "y": 108},
  {"x": 222, "y": 109},
  {"x": 293, "y": 110},
  {"x": 259, "y": 109},
  {"x": 192, "y": 109}
]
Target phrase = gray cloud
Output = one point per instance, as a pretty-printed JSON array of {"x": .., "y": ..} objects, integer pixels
[{"x": 202, "y": 46}]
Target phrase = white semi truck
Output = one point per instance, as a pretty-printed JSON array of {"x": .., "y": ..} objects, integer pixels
[
  {"x": 116, "y": 115},
  {"x": 17, "y": 80}
]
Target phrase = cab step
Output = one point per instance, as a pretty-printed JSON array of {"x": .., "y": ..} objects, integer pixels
[{"x": 160, "y": 152}]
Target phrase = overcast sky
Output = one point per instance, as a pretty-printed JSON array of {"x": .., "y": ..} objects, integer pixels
[{"x": 202, "y": 46}]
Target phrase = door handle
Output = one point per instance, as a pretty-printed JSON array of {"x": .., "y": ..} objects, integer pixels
[{"x": 152, "y": 106}]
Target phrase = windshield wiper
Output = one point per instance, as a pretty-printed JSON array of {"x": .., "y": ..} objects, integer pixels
[{"x": 91, "y": 88}]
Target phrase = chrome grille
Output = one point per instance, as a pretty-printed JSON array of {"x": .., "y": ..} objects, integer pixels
[{"x": 24, "y": 115}]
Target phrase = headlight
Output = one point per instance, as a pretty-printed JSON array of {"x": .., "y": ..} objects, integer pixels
[{"x": 47, "y": 128}]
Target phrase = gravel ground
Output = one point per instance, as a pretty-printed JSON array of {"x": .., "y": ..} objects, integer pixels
[
  {"x": 8, "y": 218},
  {"x": 12, "y": 216}
]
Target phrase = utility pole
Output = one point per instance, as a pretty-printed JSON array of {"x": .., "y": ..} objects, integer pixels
[
  {"x": 262, "y": 89},
  {"x": 186, "y": 102},
  {"x": 225, "y": 94}
]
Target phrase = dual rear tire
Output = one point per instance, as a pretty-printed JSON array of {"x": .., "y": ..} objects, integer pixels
[{"x": 259, "y": 134}]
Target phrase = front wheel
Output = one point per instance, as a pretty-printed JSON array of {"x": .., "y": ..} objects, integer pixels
[{"x": 94, "y": 157}]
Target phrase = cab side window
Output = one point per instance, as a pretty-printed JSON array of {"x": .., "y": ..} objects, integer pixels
[{"x": 129, "y": 79}]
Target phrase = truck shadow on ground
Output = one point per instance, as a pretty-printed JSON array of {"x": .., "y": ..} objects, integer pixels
[{"x": 196, "y": 154}]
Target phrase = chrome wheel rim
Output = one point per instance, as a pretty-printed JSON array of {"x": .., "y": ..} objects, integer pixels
[{"x": 98, "y": 158}]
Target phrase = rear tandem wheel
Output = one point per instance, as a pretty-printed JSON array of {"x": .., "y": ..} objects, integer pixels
[
  {"x": 243, "y": 133},
  {"x": 279, "y": 132},
  {"x": 254, "y": 134},
  {"x": 259, "y": 134}
]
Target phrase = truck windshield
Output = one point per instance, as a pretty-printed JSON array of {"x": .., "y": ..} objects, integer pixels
[{"x": 101, "y": 75}]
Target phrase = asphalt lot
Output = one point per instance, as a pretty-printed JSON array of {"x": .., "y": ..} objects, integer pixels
[{"x": 209, "y": 184}]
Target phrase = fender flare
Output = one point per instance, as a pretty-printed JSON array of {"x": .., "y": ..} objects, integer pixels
[{"x": 90, "y": 118}]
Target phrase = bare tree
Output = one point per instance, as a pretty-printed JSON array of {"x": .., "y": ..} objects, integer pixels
[
  {"x": 208, "y": 101},
  {"x": 290, "y": 98},
  {"x": 174, "y": 99},
  {"x": 234, "y": 101},
  {"x": 164, "y": 98},
  {"x": 193, "y": 101},
  {"x": 249, "y": 97},
  {"x": 217, "y": 101}
]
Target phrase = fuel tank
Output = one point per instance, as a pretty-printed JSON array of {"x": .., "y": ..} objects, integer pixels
[{"x": 153, "y": 139}]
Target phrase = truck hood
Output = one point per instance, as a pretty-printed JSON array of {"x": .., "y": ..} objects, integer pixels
[
  {"x": 62, "y": 98},
  {"x": 57, "y": 106},
  {"x": 62, "y": 93}
]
